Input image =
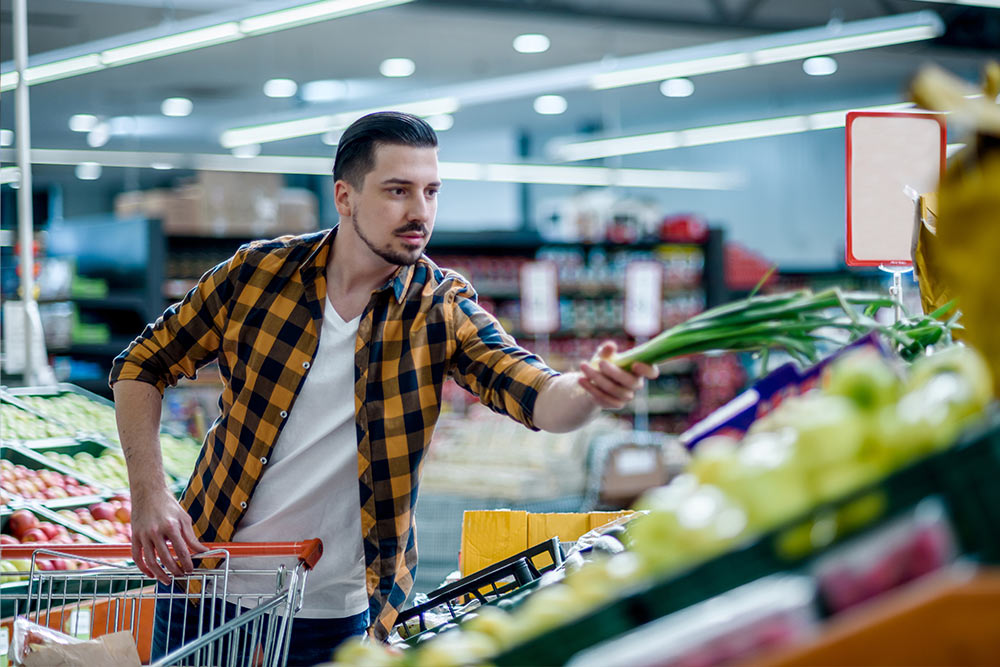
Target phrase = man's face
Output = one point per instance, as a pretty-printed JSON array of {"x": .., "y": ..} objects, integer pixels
[{"x": 393, "y": 212}]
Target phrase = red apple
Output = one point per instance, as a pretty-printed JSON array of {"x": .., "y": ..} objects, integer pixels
[
  {"x": 9, "y": 539},
  {"x": 43, "y": 564},
  {"x": 55, "y": 492},
  {"x": 105, "y": 527},
  {"x": 49, "y": 529},
  {"x": 79, "y": 538},
  {"x": 83, "y": 515},
  {"x": 34, "y": 535},
  {"x": 102, "y": 511},
  {"x": 124, "y": 514},
  {"x": 21, "y": 522}
]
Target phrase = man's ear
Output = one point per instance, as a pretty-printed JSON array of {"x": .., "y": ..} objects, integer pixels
[{"x": 342, "y": 196}]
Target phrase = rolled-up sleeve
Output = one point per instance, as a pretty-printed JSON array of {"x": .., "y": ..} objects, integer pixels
[
  {"x": 490, "y": 364},
  {"x": 186, "y": 336}
]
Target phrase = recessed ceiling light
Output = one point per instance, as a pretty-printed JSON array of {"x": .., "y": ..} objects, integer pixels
[
  {"x": 819, "y": 66},
  {"x": 397, "y": 67},
  {"x": 161, "y": 166},
  {"x": 82, "y": 122},
  {"x": 250, "y": 150},
  {"x": 531, "y": 43},
  {"x": 677, "y": 87},
  {"x": 280, "y": 87},
  {"x": 550, "y": 105},
  {"x": 6, "y": 137},
  {"x": 88, "y": 171},
  {"x": 176, "y": 106},
  {"x": 99, "y": 135},
  {"x": 332, "y": 137},
  {"x": 441, "y": 122},
  {"x": 326, "y": 90}
]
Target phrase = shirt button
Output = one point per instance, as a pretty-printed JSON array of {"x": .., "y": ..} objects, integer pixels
[
  {"x": 243, "y": 504},
  {"x": 284, "y": 414},
  {"x": 263, "y": 460},
  {"x": 305, "y": 364}
]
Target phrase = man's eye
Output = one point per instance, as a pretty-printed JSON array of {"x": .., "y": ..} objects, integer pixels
[
  {"x": 398, "y": 191},
  {"x": 432, "y": 193}
]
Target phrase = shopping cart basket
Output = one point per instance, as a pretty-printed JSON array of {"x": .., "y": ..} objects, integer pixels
[{"x": 212, "y": 625}]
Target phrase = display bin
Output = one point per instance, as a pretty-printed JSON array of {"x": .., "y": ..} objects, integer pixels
[
  {"x": 14, "y": 594},
  {"x": 52, "y": 453},
  {"x": 35, "y": 461},
  {"x": 962, "y": 477},
  {"x": 503, "y": 580},
  {"x": 951, "y": 618},
  {"x": 16, "y": 396}
]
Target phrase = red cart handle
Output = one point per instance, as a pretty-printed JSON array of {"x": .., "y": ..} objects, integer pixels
[{"x": 307, "y": 551}]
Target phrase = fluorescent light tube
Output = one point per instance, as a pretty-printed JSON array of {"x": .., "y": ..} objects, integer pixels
[
  {"x": 676, "y": 70},
  {"x": 303, "y": 127},
  {"x": 712, "y": 134},
  {"x": 165, "y": 46},
  {"x": 63, "y": 68},
  {"x": 823, "y": 47},
  {"x": 972, "y": 3},
  {"x": 780, "y": 47},
  {"x": 10, "y": 175},
  {"x": 311, "y": 13},
  {"x": 8, "y": 81}
]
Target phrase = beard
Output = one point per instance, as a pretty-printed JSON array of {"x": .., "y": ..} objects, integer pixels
[{"x": 390, "y": 255}]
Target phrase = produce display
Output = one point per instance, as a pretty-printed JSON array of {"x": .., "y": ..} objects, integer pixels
[
  {"x": 85, "y": 415},
  {"x": 18, "y": 424},
  {"x": 111, "y": 518},
  {"x": 25, "y": 527},
  {"x": 108, "y": 468},
  {"x": 20, "y": 481},
  {"x": 88, "y": 417},
  {"x": 867, "y": 420}
]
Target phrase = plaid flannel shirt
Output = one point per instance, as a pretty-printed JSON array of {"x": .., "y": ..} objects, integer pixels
[{"x": 259, "y": 315}]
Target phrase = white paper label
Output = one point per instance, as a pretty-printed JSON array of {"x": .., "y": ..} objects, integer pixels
[
  {"x": 633, "y": 461},
  {"x": 643, "y": 298},
  {"x": 539, "y": 297},
  {"x": 13, "y": 342}
]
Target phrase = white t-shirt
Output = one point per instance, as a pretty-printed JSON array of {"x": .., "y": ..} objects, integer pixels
[{"x": 310, "y": 483}]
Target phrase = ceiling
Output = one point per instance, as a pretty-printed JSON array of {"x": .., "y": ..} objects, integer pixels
[{"x": 457, "y": 41}]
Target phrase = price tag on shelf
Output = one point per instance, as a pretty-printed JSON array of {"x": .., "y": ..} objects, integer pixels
[
  {"x": 539, "y": 297},
  {"x": 643, "y": 298}
]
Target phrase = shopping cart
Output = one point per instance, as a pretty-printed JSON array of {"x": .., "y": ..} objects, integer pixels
[{"x": 208, "y": 624}]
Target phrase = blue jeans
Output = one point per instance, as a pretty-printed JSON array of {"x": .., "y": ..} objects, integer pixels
[{"x": 313, "y": 639}]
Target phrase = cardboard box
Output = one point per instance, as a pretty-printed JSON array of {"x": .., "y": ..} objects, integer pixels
[
  {"x": 629, "y": 470},
  {"x": 489, "y": 536},
  {"x": 142, "y": 204}
]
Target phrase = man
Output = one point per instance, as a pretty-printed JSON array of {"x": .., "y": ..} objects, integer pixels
[{"x": 333, "y": 348}]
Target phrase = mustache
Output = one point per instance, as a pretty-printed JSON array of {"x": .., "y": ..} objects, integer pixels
[{"x": 411, "y": 227}]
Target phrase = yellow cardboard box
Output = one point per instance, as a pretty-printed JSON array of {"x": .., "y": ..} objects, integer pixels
[{"x": 489, "y": 536}]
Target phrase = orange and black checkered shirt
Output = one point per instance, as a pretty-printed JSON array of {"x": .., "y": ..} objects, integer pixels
[{"x": 259, "y": 315}]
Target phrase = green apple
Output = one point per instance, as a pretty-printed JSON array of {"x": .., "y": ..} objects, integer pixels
[{"x": 865, "y": 377}]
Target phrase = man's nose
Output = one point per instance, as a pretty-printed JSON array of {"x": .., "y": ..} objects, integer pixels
[{"x": 419, "y": 208}]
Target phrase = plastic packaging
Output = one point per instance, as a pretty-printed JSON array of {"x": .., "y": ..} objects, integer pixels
[{"x": 34, "y": 645}]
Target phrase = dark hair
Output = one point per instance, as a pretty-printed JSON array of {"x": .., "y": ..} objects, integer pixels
[{"x": 356, "y": 148}]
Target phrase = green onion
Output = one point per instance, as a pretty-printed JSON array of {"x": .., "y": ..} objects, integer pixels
[{"x": 793, "y": 322}]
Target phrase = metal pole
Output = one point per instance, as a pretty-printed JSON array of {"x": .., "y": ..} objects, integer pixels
[{"x": 25, "y": 222}]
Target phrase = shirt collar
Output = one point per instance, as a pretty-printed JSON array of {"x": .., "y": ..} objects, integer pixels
[{"x": 315, "y": 263}]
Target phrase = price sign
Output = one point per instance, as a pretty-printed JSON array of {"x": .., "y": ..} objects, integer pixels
[
  {"x": 539, "y": 298},
  {"x": 643, "y": 298},
  {"x": 890, "y": 157}
]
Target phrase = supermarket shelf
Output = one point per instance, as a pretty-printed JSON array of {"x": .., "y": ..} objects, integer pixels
[
  {"x": 111, "y": 348},
  {"x": 115, "y": 301}
]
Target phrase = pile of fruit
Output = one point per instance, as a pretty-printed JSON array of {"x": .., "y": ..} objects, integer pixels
[
  {"x": 111, "y": 518},
  {"x": 84, "y": 414},
  {"x": 869, "y": 419},
  {"x": 108, "y": 467},
  {"x": 24, "y": 527},
  {"x": 18, "y": 424},
  {"x": 21, "y": 481}
]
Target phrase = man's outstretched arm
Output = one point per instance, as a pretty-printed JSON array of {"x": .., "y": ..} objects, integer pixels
[{"x": 569, "y": 401}]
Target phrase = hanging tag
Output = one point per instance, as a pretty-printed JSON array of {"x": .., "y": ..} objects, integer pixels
[
  {"x": 539, "y": 298},
  {"x": 643, "y": 298}
]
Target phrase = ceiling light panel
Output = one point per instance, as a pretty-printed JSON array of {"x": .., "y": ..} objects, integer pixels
[
  {"x": 280, "y": 88},
  {"x": 819, "y": 66},
  {"x": 6, "y": 137},
  {"x": 327, "y": 90},
  {"x": 677, "y": 88},
  {"x": 531, "y": 43},
  {"x": 176, "y": 106},
  {"x": 397, "y": 68},
  {"x": 82, "y": 122},
  {"x": 550, "y": 105}
]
